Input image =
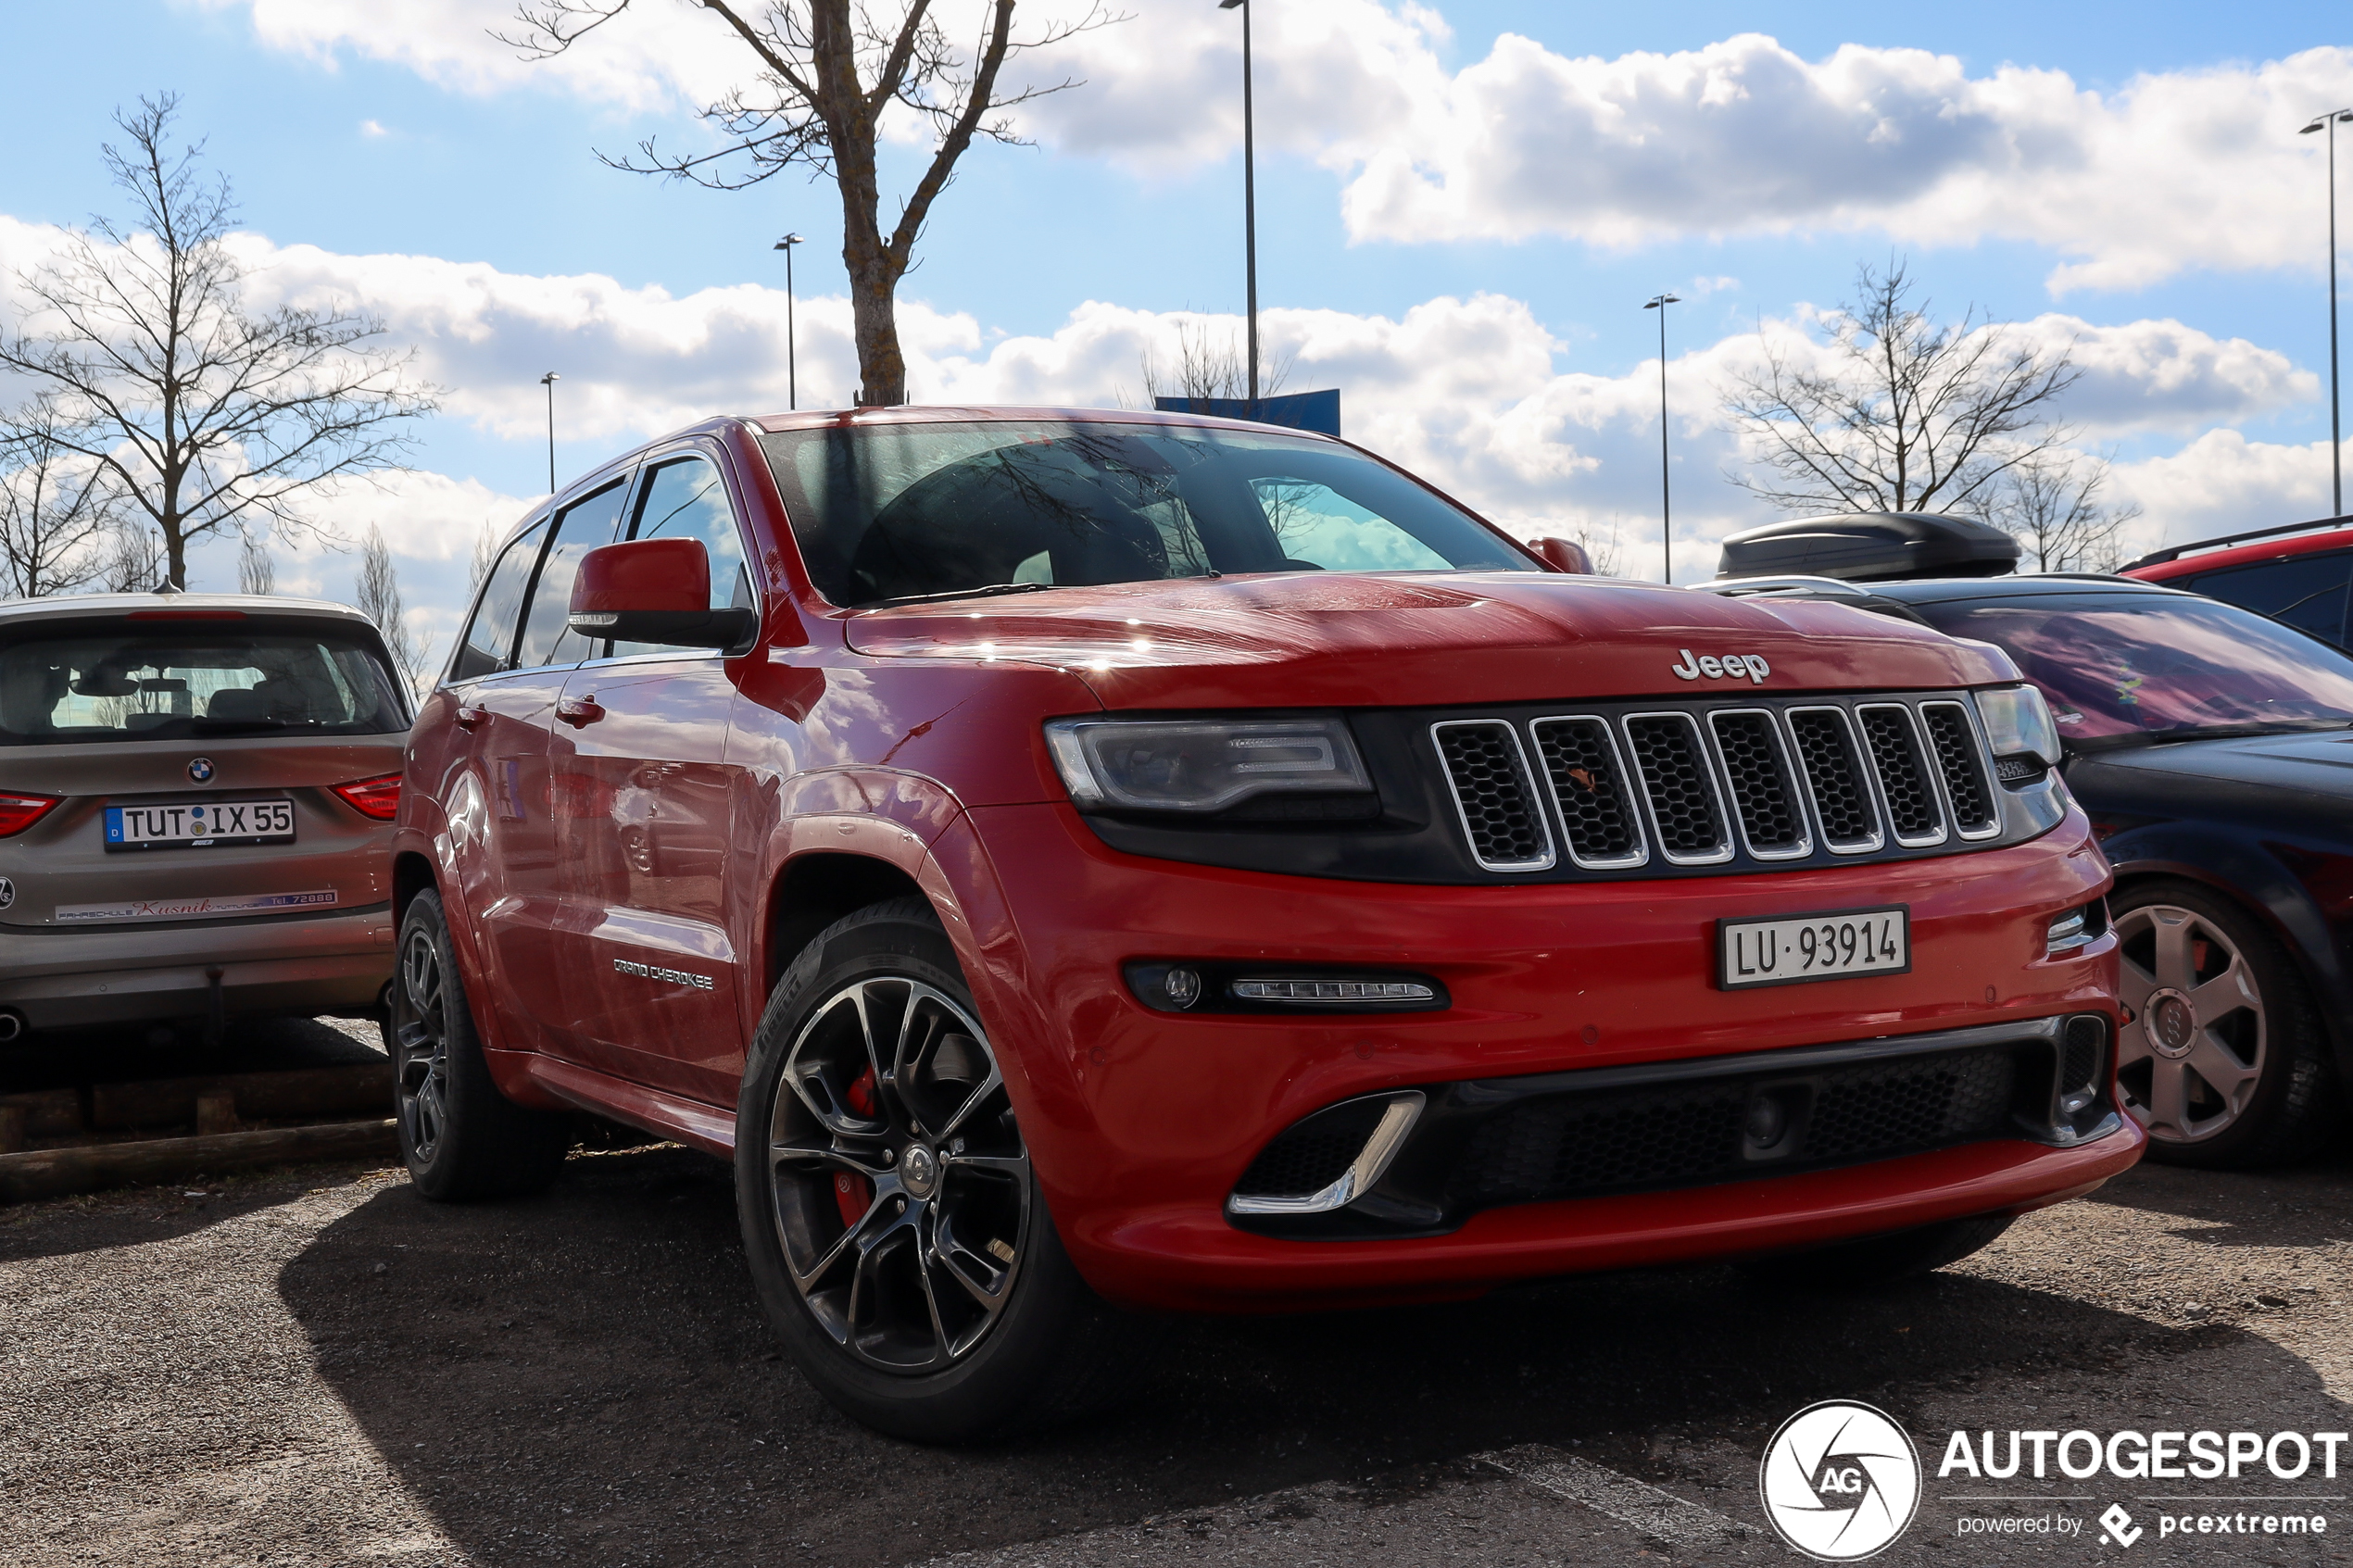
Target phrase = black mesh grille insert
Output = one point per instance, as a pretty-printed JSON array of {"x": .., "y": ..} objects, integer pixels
[
  {"x": 2080, "y": 1065},
  {"x": 1761, "y": 789},
  {"x": 1492, "y": 788},
  {"x": 1956, "y": 743},
  {"x": 1311, "y": 1155},
  {"x": 1595, "y": 812},
  {"x": 1674, "y": 775},
  {"x": 1826, "y": 750},
  {"x": 1903, "y": 777},
  {"x": 1688, "y": 1134}
]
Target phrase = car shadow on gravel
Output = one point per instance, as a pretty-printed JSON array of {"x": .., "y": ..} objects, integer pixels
[
  {"x": 589, "y": 1373},
  {"x": 100, "y": 1221}
]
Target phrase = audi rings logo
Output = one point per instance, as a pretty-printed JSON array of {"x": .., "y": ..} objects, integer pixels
[{"x": 1840, "y": 1481}]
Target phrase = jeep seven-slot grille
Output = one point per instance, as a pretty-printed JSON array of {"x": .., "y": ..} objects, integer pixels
[{"x": 1776, "y": 779}]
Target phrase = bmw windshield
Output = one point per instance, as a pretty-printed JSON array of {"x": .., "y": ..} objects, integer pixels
[{"x": 2121, "y": 669}]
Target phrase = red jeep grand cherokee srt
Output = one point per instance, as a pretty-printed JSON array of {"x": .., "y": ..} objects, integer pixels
[{"x": 1071, "y": 860}]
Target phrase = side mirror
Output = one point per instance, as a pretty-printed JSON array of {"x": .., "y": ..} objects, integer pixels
[
  {"x": 1563, "y": 555},
  {"x": 654, "y": 591}
]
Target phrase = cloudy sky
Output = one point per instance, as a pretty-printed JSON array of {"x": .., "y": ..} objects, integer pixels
[{"x": 1462, "y": 208}]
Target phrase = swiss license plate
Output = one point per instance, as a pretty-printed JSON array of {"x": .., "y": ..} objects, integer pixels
[
  {"x": 1824, "y": 947},
  {"x": 196, "y": 823}
]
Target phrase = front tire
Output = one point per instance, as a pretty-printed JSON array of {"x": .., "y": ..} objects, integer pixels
[
  {"x": 459, "y": 1137},
  {"x": 2224, "y": 1061},
  {"x": 894, "y": 1228}
]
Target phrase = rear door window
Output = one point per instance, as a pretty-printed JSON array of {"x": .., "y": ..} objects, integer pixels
[
  {"x": 580, "y": 528},
  {"x": 2310, "y": 593},
  {"x": 97, "y": 681},
  {"x": 489, "y": 642}
]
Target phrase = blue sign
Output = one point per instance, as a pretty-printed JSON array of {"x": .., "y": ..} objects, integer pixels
[{"x": 1318, "y": 411}]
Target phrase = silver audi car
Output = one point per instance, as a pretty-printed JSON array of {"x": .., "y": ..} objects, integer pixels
[{"x": 196, "y": 795}]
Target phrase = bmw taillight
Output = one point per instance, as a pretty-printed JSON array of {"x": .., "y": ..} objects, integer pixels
[
  {"x": 378, "y": 797},
  {"x": 19, "y": 812}
]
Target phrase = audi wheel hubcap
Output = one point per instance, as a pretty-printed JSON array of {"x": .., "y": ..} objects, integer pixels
[
  {"x": 2190, "y": 1061},
  {"x": 902, "y": 1184},
  {"x": 421, "y": 1045}
]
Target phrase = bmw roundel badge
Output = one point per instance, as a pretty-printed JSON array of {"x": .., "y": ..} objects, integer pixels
[{"x": 200, "y": 769}]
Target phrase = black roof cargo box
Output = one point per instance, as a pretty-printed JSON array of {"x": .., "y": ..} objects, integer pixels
[{"x": 1870, "y": 548}]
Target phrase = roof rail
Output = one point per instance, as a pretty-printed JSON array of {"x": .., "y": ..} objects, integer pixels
[
  {"x": 1793, "y": 584},
  {"x": 2175, "y": 552}
]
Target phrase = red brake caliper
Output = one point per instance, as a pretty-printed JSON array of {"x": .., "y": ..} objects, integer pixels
[{"x": 853, "y": 1194}]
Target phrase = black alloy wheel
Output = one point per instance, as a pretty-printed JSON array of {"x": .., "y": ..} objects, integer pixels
[
  {"x": 459, "y": 1137},
  {"x": 891, "y": 1217},
  {"x": 902, "y": 1186}
]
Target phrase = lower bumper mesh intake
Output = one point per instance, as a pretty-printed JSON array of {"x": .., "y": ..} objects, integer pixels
[{"x": 1596, "y": 1134}]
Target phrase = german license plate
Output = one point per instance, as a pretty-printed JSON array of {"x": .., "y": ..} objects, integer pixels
[
  {"x": 199, "y": 823},
  {"x": 1824, "y": 947}
]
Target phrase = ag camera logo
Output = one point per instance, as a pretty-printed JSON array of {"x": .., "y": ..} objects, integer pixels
[{"x": 1840, "y": 1481}]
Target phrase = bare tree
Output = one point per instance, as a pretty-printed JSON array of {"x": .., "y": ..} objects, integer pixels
[
  {"x": 825, "y": 75},
  {"x": 256, "y": 573},
  {"x": 1912, "y": 415},
  {"x": 2051, "y": 504},
  {"x": 1210, "y": 367},
  {"x": 205, "y": 415},
  {"x": 485, "y": 550},
  {"x": 1601, "y": 545},
  {"x": 376, "y": 594},
  {"x": 134, "y": 559},
  {"x": 55, "y": 508}
]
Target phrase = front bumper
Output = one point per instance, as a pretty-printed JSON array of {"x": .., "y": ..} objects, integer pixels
[
  {"x": 1140, "y": 1122},
  {"x": 306, "y": 965}
]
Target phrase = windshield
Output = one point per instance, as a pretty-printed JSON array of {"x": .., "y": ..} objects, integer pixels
[
  {"x": 895, "y": 511},
  {"x": 108, "y": 681},
  {"x": 2121, "y": 666}
]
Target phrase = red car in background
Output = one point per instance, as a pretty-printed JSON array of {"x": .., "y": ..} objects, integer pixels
[
  {"x": 1075, "y": 861},
  {"x": 2301, "y": 573}
]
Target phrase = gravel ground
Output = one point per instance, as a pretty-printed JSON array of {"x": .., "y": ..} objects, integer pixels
[{"x": 315, "y": 1367}]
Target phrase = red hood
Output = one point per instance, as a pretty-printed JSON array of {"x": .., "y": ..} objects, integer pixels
[{"x": 1313, "y": 640}]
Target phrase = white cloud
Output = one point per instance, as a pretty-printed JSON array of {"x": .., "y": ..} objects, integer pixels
[
  {"x": 2199, "y": 168},
  {"x": 1466, "y": 392},
  {"x": 2222, "y": 482}
]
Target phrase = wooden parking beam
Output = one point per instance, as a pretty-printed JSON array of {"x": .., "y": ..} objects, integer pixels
[{"x": 51, "y": 1172}]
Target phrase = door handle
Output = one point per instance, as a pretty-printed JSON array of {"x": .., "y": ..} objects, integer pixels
[
  {"x": 468, "y": 716},
  {"x": 579, "y": 710}
]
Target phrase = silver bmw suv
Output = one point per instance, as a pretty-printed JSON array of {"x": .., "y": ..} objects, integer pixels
[{"x": 196, "y": 795}]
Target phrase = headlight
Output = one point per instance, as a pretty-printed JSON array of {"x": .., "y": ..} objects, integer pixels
[
  {"x": 1202, "y": 764},
  {"x": 2017, "y": 724}
]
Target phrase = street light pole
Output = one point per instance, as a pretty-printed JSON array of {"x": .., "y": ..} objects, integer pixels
[
  {"x": 549, "y": 381},
  {"x": 792, "y": 352},
  {"x": 2336, "y": 427},
  {"x": 1250, "y": 201},
  {"x": 1666, "y": 512}
]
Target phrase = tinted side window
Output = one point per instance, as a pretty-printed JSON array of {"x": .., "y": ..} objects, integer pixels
[
  {"x": 684, "y": 500},
  {"x": 580, "y": 528},
  {"x": 490, "y": 635},
  {"x": 2310, "y": 593}
]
